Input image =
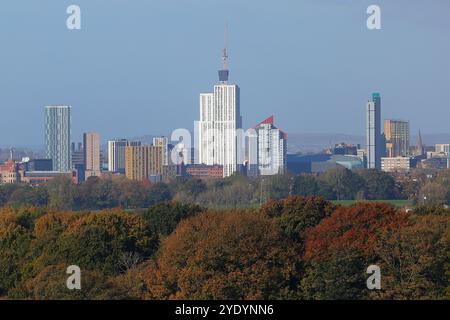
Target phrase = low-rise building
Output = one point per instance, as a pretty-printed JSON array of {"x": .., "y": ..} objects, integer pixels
[
  {"x": 9, "y": 172},
  {"x": 38, "y": 177},
  {"x": 204, "y": 171},
  {"x": 436, "y": 162},
  {"x": 395, "y": 164},
  {"x": 345, "y": 149}
]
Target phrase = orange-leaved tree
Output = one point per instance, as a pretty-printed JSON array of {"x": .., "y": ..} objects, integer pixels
[{"x": 224, "y": 255}]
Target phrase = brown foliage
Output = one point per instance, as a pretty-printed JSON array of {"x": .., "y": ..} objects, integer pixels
[
  {"x": 234, "y": 255},
  {"x": 414, "y": 259},
  {"x": 356, "y": 228}
]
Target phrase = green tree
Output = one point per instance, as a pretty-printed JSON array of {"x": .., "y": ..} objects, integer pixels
[
  {"x": 296, "y": 214},
  {"x": 378, "y": 185},
  {"x": 305, "y": 185},
  {"x": 15, "y": 240},
  {"x": 99, "y": 241},
  {"x": 163, "y": 218},
  {"x": 62, "y": 192},
  {"x": 159, "y": 192},
  {"x": 344, "y": 183}
]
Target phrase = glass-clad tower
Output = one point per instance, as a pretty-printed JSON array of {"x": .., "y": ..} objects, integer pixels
[
  {"x": 57, "y": 137},
  {"x": 374, "y": 139}
]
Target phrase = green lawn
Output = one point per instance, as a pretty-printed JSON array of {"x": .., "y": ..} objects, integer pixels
[{"x": 397, "y": 203}]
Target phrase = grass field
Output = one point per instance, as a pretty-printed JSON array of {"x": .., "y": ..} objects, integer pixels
[{"x": 397, "y": 203}]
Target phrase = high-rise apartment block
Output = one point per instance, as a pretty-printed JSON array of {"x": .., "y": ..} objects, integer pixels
[
  {"x": 163, "y": 142},
  {"x": 374, "y": 139},
  {"x": 116, "y": 154},
  {"x": 143, "y": 162},
  {"x": 57, "y": 137},
  {"x": 91, "y": 154},
  {"x": 397, "y": 138},
  {"x": 271, "y": 148}
]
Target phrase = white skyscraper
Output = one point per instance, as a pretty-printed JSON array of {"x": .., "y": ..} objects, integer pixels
[
  {"x": 116, "y": 154},
  {"x": 220, "y": 117},
  {"x": 272, "y": 147},
  {"x": 57, "y": 137}
]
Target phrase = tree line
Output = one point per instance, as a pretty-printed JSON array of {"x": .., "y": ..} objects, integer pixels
[
  {"x": 235, "y": 192},
  {"x": 293, "y": 248}
]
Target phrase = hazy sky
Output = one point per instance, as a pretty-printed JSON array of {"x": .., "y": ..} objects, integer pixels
[{"x": 138, "y": 66}]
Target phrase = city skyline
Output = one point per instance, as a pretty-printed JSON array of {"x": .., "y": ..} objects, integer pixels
[{"x": 295, "y": 86}]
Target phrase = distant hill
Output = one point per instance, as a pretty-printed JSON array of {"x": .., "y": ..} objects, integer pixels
[
  {"x": 297, "y": 142},
  {"x": 315, "y": 142}
]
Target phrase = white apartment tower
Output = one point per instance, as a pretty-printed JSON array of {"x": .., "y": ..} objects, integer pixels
[
  {"x": 272, "y": 145},
  {"x": 220, "y": 118}
]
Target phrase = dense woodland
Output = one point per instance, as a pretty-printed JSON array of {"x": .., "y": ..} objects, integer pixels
[
  {"x": 195, "y": 239},
  {"x": 235, "y": 192},
  {"x": 294, "y": 248}
]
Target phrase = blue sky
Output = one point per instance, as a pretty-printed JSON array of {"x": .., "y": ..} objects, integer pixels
[{"x": 137, "y": 66}]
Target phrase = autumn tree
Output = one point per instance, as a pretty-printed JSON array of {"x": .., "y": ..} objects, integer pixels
[
  {"x": 98, "y": 241},
  {"x": 216, "y": 255},
  {"x": 15, "y": 240},
  {"x": 50, "y": 284},
  {"x": 414, "y": 259},
  {"x": 340, "y": 248}
]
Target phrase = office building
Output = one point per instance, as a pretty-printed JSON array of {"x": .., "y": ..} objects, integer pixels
[
  {"x": 345, "y": 149},
  {"x": 220, "y": 118},
  {"x": 39, "y": 165},
  {"x": 91, "y": 154},
  {"x": 57, "y": 137},
  {"x": 77, "y": 155},
  {"x": 397, "y": 138},
  {"x": 319, "y": 163},
  {"x": 374, "y": 139}
]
